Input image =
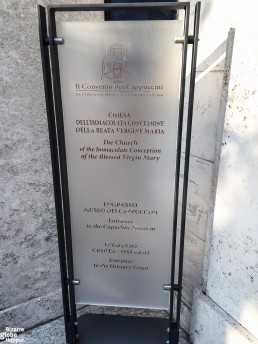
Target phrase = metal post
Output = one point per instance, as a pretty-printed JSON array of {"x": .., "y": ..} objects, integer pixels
[
  {"x": 187, "y": 160},
  {"x": 71, "y": 321},
  {"x": 55, "y": 163},
  {"x": 174, "y": 330}
]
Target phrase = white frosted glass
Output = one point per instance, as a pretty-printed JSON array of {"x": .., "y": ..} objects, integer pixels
[{"x": 120, "y": 95}]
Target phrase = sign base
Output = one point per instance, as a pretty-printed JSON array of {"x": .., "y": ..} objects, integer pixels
[{"x": 116, "y": 329}]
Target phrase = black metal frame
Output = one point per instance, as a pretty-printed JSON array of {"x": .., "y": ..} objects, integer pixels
[
  {"x": 51, "y": 77},
  {"x": 108, "y": 14}
]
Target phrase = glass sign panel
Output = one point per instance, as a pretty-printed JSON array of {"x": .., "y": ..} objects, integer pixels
[{"x": 120, "y": 95}]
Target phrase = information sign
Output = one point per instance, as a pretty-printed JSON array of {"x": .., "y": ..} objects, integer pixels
[{"x": 120, "y": 95}]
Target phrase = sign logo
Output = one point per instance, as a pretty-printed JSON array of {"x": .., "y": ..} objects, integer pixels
[
  {"x": 10, "y": 335},
  {"x": 117, "y": 66}
]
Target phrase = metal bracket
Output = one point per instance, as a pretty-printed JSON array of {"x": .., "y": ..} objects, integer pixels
[
  {"x": 72, "y": 282},
  {"x": 181, "y": 40},
  {"x": 167, "y": 287},
  {"x": 55, "y": 40}
]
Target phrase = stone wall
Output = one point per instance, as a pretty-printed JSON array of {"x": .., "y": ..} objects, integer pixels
[
  {"x": 226, "y": 307},
  {"x": 211, "y": 84},
  {"x": 28, "y": 231},
  {"x": 30, "y": 279}
]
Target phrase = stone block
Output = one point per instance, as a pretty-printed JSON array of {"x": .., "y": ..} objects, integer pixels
[
  {"x": 206, "y": 114},
  {"x": 33, "y": 312},
  {"x": 212, "y": 325}
]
